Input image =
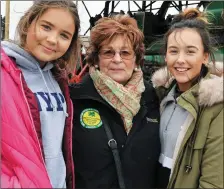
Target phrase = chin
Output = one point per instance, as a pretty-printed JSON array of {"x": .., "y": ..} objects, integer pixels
[
  {"x": 182, "y": 79},
  {"x": 120, "y": 81},
  {"x": 44, "y": 59}
]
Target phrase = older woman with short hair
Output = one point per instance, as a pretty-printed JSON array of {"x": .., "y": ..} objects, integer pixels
[{"x": 114, "y": 97}]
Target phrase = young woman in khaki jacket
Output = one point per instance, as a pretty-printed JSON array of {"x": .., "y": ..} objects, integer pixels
[{"x": 191, "y": 127}]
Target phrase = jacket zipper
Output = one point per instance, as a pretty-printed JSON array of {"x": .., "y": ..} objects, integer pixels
[
  {"x": 178, "y": 158},
  {"x": 33, "y": 126},
  {"x": 171, "y": 115}
]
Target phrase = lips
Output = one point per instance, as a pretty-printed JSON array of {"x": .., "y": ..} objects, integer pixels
[
  {"x": 116, "y": 69},
  {"x": 180, "y": 69},
  {"x": 48, "y": 49}
]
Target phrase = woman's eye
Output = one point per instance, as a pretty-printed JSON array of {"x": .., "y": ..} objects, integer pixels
[
  {"x": 64, "y": 36},
  {"x": 173, "y": 51},
  {"x": 46, "y": 27},
  {"x": 109, "y": 52},
  {"x": 125, "y": 53},
  {"x": 190, "y": 52}
]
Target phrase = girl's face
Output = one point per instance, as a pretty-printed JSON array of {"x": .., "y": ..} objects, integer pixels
[
  {"x": 49, "y": 37},
  {"x": 185, "y": 56}
]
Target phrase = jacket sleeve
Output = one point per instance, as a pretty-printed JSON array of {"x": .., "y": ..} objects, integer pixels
[
  {"x": 8, "y": 177},
  {"x": 212, "y": 160}
]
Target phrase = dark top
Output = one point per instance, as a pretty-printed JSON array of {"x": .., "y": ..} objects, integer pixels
[{"x": 139, "y": 150}]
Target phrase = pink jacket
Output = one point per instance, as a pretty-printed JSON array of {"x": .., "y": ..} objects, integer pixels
[{"x": 22, "y": 157}]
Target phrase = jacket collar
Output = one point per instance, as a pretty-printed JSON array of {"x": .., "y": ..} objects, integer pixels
[{"x": 209, "y": 90}]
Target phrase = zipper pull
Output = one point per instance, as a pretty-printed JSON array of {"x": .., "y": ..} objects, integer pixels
[{"x": 188, "y": 168}]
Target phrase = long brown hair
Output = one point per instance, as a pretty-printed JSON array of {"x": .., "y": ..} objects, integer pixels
[
  {"x": 107, "y": 28},
  {"x": 69, "y": 59}
]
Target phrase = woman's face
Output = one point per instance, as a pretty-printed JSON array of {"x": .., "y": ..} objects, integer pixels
[
  {"x": 185, "y": 56},
  {"x": 50, "y": 36},
  {"x": 117, "y": 59}
]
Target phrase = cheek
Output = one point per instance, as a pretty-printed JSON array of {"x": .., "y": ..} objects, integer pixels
[
  {"x": 169, "y": 64},
  {"x": 30, "y": 40},
  {"x": 33, "y": 32},
  {"x": 30, "y": 34},
  {"x": 170, "y": 61},
  {"x": 39, "y": 35},
  {"x": 103, "y": 65},
  {"x": 65, "y": 46},
  {"x": 170, "y": 68},
  {"x": 170, "y": 58},
  {"x": 198, "y": 68},
  {"x": 131, "y": 65}
]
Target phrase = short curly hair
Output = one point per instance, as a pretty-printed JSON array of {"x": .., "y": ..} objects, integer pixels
[{"x": 108, "y": 28}]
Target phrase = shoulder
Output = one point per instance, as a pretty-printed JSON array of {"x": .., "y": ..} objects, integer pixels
[
  {"x": 7, "y": 63},
  {"x": 211, "y": 90},
  {"x": 10, "y": 73},
  {"x": 149, "y": 97},
  {"x": 150, "y": 92},
  {"x": 83, "y": 89},
  {"x": 86, "y": 91}
]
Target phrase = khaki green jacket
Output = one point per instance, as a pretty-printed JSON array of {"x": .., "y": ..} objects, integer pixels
[{"x": 198, "y": 155}]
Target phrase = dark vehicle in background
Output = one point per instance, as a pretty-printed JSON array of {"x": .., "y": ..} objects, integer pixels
[
  {"x": 154, "y": 55},
  {"x": 154, "y": 26}
]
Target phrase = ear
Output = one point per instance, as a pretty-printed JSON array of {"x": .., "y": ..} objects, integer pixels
[
  {"x": 206, "y": 57},
  {"x": 165, "y": 58},
  {"x": 134, "y": 62}
]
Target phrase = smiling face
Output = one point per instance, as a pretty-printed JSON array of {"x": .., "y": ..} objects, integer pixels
[
  {"x": 49, "y": 37},
  {"x": 185, "y": 56},
  {"x": 117, "y": 68}
]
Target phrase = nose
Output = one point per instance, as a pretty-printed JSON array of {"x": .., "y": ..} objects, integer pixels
[
  {"x": 52, "y": 38},
  {"x": 181, "y": 58},
  {"x": 117, "y": 57}
]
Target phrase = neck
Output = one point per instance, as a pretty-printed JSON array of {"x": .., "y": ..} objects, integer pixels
[
  {"x": 183, "y": 87},
  {"x": 42, "y": 64}
]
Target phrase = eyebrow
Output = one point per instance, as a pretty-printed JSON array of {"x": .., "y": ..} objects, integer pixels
[
  {"x": 67, "y": 32},
  {"x": 172, "y": 47},
  {"x": 110, "y": 47},
  {"x": 190, "y": 46}
]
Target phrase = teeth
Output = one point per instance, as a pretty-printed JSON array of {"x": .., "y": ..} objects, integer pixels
[{"x": 181, "y": 69}]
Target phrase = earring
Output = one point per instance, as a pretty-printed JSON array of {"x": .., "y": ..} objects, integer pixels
[
  {"x": 96, "y": 66},
  {"x": 136, "y": 69}
]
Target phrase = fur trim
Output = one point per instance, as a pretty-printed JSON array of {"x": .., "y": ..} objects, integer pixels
[
  {"x": 162, "y": 77},
  {"x": 210, "y": 90},
  {"x": 216, "y": 69}
]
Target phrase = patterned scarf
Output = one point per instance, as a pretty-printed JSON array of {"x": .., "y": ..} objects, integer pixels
[{"x": 125, "y": 99}]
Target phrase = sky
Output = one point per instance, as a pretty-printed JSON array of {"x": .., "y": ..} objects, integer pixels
[{"x": 18, "y": 8}]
